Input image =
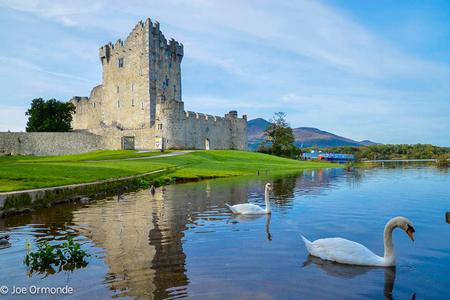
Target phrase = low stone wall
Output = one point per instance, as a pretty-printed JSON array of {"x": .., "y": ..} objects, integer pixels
[
  {"x": 144, "y": 138},
  {"x": 49, "y": 143}
]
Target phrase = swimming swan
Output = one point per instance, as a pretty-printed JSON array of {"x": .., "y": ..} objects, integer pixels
[
  {"x": 252, "y": 209},
  {"x": 348, "y": 252}
]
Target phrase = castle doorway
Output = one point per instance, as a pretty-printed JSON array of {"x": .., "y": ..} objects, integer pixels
[
  {"x": 206, "y": 144},
  {"x": 128, "y": 143}
]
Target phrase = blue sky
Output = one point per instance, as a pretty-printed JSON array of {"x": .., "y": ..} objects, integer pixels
[{"x": 376, "y": 70}]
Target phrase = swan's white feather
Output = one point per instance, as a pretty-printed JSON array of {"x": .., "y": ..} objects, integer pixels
[
  {"x": 343, "y": 251},
  {"x": 246, "y": 209}
]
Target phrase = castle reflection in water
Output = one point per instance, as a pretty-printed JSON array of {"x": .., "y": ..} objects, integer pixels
[{"x": 143, "y": 234}]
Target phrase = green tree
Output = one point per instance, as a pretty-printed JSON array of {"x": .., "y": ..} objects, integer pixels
[
  {"x": 279, "y": 136},
  {"x": 51, "y": 116}
]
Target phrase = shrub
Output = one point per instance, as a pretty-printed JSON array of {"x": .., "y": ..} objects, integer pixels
[{"x": 67, "y": 256}]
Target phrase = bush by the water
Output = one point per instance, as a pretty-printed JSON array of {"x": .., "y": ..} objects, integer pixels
[
  {"x": 442, "y": 161},
  {"x": 67, "y": 256}
]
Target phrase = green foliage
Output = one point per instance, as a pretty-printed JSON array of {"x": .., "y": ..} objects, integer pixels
[
  {"x": 50, "y": 116},
  {"x": 396, "y": 151},
  {"x": 67, "y": 256},
  {"x": 442, "y": 161},
  {"x": 141, "y": 183},
  {"x": 17, "y": 201},
  {"x": 279, "y": 138}
]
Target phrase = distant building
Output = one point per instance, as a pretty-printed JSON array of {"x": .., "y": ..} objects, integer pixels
[{"x": 333, "y": 157}]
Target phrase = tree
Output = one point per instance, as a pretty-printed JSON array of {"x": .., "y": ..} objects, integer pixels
[
  {"x": 280, "y": 136},
  {"x": 51, "y": 116}
]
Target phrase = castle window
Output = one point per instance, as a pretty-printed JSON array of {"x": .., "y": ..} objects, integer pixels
[
  {"x": 142, "y": 105},
  {"x": 118, "y": 103},
  {"x": 120, "y": 62},
  {"x": 167, "y": 81},
  {"x": 160, "y": 126},
  {"x": 93, "y": 105},
  {"x": 170, "y": 65},
  {"x": 132, "y": 101},
  {"x": 117, "y": 89},
  {"x": 132, "y": 86},
  {"x": 174, "y": 89}
]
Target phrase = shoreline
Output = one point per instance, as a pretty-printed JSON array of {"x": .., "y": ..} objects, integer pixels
[{"x": 166, "y": 169}]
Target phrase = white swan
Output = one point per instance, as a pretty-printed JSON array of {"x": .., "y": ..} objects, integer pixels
[
  {"x": 348, "y": 252},
  {"x": 252, "y": 209}
]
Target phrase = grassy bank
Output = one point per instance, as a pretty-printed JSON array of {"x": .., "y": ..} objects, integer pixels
[{"x": 26, "y": 172}]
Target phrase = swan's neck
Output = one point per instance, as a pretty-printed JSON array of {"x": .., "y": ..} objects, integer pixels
[
  {"x": 389, "y": 255},
  {"x": 266, "y": 198}
]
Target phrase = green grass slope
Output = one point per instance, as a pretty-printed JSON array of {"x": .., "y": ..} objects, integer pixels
[{"x": 27, "y": 172}]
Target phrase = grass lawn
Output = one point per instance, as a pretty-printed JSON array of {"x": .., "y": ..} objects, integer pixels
[{"x": 27, "y": 172}]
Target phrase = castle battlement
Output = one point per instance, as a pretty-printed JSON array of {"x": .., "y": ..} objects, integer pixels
[
  {"x": 207, "y": 117},
  {"x": 172, "y": 46}
]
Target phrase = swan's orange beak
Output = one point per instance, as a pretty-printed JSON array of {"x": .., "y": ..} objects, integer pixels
[{"x": 410, "y": 233}]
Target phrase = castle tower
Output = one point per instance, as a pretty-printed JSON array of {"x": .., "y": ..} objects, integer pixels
[
  {"x": 137, "y": 72},
  {"x": 139, "y": 100}
]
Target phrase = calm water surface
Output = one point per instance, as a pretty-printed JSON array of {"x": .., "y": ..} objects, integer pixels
[{"x": 184, "y": 243}]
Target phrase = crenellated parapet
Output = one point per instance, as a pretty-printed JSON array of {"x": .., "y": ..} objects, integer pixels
[
  {"x": 201, "y": 116},
  {"x": 172, "y": 47}
]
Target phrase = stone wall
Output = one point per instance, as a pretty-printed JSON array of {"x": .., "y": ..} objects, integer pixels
[
  {"x": 112, "y": 137},
  {"x": 48, "y": 143},
  {"x": 190, "y": 130},
  {"x": 88, "y": 110}
]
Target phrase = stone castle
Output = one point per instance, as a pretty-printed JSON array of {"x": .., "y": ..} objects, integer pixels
[{"x": 139, "y": 104}]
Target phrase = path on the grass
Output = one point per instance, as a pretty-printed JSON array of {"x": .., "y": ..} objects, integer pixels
[{"x": 176, "y": 153}]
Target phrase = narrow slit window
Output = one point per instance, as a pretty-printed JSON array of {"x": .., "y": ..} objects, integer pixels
[{"x": 120, "y": 62}]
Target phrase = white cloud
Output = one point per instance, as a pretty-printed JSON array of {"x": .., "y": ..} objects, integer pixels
[{"x": 20, "y": 63}]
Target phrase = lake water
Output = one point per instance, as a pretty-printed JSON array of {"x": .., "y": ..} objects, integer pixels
[{"x": 183, "y": 242}]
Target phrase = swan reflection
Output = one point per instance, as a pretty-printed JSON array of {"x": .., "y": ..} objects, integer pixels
[
  {"x": 249, "y": 218},
  {"x": 350, "y": 271}
]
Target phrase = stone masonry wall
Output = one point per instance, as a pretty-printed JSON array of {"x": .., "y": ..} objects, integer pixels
[
  {"x": 112, "y": 138},
  {"x": 190, "y": 130},
  {"x": 88, "y": 110},
  {"x": 126, "y": 100},
  {"x": 48, "y": 143}
]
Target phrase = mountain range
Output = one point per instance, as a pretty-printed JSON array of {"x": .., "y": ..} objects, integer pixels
[{"x": 304, "y": 136}]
